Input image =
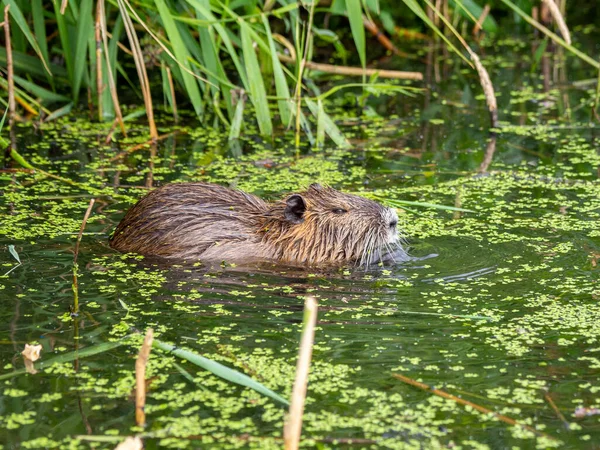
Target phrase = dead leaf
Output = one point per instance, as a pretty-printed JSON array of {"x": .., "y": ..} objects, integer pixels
[
  {"x": 32, "y": 352},
  {"x": 131, "y": 443}
]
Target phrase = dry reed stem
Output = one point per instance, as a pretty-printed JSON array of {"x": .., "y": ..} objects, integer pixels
[
  {"x": 557, "y": 411},
  {"x": 97, "y": 35},
  {"x": 488, "y": 88},
  {"x": 83, "y": 224},
  {"x": 287, "y": 44},
  {"x": 381, "y": 37},
  {"x": 484, "y": 77},
  {"x": 172, "y": 89},
  {"x": 355, "y": 71},
  {"x": 140, "y": 378},
  {"x": 293, "y": 427},
  {"x": 482, "y": 17},
  {"x": 558, "y": 19},
  {"x": 481, "y": 409},
  {"x": 63, "y": 6},
  {"x": 489, "y": 154},
  {"x": 163, "y": 46},
  {"x": 111, "y": 82},
  {"x": 75, "y": 285},
  {"x": 138, "y": 58},
  {"x": 9, "y": 69}
]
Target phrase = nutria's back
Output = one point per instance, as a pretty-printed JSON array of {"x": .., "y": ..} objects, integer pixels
[{"x": 211, "y": 223}]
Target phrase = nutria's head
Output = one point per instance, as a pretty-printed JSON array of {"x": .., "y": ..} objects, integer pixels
[{"x": 323, "y": 225}]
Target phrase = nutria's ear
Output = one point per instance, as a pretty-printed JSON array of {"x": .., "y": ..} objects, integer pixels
[
  {"x": 294, "y": 211},
  {"x": 316, "y": 186}
]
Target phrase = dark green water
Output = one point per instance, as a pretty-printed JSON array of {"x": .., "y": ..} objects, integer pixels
[{"x": 500, "y": 306}]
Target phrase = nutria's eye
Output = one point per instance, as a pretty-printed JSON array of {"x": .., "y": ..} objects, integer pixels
[{"x": 339, "y": 211}]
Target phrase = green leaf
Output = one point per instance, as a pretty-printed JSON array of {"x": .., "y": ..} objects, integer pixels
[
  {"x": 489, "y": 24},
  {"x": 258, "y": 94},
  {"x": 238, "y": 117},
  {"x": 320, "y": 123},
  {"x": 2, "y": 121},
  {"x": 39, "y": 28},
  {"x": 182, "y": 54},
  {"x": 84, "y": 27},
  {"x": 60, "y": 112},
  {"x": 13, "y": 252},
  {"x": 418, "y": 10},
  {"x": 220, "y": 370},
  {"x": 43, "y": 94},
  {"x": 19, "y": 159},
  {"x": 329, "y": 125},
  {"x": 355, "y": 15},
  {"x": 19, "y": 19},
  {"x": 204, "y": 11},
  {"x": 31, "y": 65},
  {"x": 281, "y": 86},
  {"x": 65, "y": 41}
]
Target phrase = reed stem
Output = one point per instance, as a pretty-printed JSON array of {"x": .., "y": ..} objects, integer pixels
[{"x": 293, "y": 427}]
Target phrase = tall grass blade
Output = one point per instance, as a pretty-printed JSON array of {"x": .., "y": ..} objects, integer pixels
[
  {"x": 32, "y": 65},
  {"x": 3, "y": 142},
  {"x": 238, "y": 118},
  {"x": 140, "y": 67},
  {"x": 20, "y": 160},
  {"x": 258, "y": 94},
  {"x": 182, "y": 55},
  {"x": 84, "y": 28},
  {"x": 418, "y": 10},
  {"x": 42, "y": 93},
  {"x": 10, "y": 82},
  {"x": 550, "y": 34},
  {"x": 210, "y": 56},
  {"x": 65, "y": 41},
  {"x": 110, "y": 56},
  {"x": 21, "y": 22},
  {"x": 222, "y": 32},
  {"x": 220, "y": 370},
  {"x": 355, "y": 16},
  {"x": 39, "y": 28},
  {"x": 281, "y": 86},
  {"x": 320, "y": 123},
  {"x": 60, "y": 112},
  {"x": 329, "y": 125}
]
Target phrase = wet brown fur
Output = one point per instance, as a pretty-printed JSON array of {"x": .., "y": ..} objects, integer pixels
[{"x": 201, "y": 221}]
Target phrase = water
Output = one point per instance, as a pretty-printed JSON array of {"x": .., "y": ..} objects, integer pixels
[{"x": 498, "y": 307}]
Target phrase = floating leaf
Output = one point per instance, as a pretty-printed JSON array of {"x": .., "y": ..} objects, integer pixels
[
  {"x": 11, "y": 249},
  {"x": 220, "y": 370}
]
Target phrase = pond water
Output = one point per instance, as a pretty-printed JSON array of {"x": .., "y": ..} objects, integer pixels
[{"x": 499, "y": 307}]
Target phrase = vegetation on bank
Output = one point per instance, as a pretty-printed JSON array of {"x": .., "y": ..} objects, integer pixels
[{"x": 222, "y": 57}]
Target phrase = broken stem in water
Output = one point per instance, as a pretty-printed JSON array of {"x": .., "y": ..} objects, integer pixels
[{"x": 293, "y": 426}]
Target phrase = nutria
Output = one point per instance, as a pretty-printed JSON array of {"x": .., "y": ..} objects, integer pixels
[{"x": 211, "y": 223}]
